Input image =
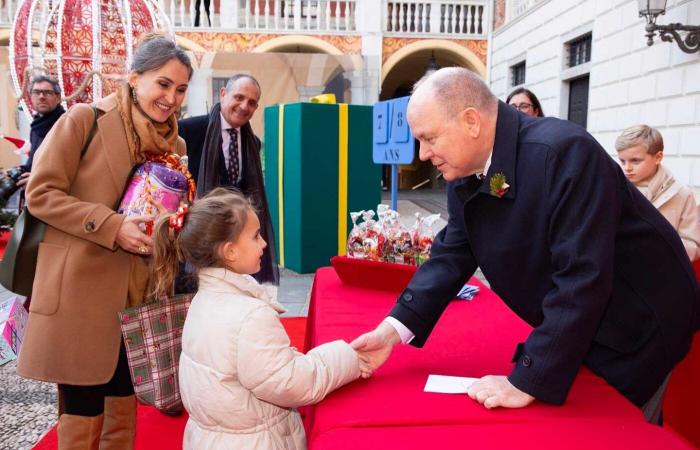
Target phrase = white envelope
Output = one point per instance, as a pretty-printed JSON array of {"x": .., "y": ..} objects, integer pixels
[{"x": 448, "y": 385}]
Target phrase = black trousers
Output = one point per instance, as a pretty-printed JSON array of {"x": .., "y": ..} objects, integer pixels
[
  {"x": 207, "y": 3},
  {"x": 90, "y": 400}
]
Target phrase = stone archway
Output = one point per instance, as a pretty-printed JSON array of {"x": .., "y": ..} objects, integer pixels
[
  {"x": 296, "y": 44},
  {"x": 407, "y": 65}
]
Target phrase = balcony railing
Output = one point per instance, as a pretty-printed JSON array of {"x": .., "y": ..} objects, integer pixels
[
  {"x": 454, "y": 19},
  {"x": 273, "y": 16},
  {"x": 446, "y": 18},
  {"x": 7, "y": 12}
]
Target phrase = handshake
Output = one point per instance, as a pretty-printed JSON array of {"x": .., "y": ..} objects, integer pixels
[
  {"x": 492, "y": 391},
  {"x": 374, "y": 348}
]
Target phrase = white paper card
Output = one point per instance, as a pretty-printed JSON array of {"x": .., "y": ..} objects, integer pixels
[{"x": 448, "y": 385}]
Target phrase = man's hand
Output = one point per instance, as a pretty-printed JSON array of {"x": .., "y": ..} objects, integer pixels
[
  {"x": 132, "y": 239},
  {"x": 23, "y": 179},
  {"x": 375, "y": 347},
  {"x": 494, "y": 391}
]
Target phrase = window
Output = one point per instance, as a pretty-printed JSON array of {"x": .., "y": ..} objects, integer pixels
[
  {"x": 579, "y": 50},
  {"x": 517, "y": 74}
]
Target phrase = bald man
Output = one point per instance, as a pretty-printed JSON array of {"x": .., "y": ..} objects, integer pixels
[{"x": 562, "y": 237}]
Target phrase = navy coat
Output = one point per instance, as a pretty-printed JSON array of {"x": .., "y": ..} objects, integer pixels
[{"x": 573, "y": 249}]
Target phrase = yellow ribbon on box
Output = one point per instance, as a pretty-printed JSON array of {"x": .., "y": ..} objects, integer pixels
[
  {"x": 280, "y": 182},
  {"x": 342, "y": 179}
]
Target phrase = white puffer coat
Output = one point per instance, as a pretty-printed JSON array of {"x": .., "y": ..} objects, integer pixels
[{"x": 239, "y": 378}]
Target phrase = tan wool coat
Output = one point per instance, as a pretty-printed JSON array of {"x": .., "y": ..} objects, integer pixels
[
  {"x": 239, "y": 378},
  {"x": 81, "y": 281},
  {"x": 676, "y": 203}
]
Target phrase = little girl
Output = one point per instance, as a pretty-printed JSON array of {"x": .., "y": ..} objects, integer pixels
[{"x": 239, "y": 377}]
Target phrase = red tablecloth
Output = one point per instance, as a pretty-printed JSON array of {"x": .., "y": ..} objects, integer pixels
[
  {"x": 513, "y": 436},
  {"x": 473, "y": 338}
]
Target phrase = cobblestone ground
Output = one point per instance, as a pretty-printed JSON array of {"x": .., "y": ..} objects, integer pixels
[{"x": 27, "y": 409}]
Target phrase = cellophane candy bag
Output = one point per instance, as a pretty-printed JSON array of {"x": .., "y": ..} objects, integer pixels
[
  {"x": 423, "y": 237},
  {"x": 398, "y": 243}
]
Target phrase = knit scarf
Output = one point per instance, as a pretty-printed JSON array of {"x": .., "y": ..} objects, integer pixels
[{"x": 146, "y": 138}]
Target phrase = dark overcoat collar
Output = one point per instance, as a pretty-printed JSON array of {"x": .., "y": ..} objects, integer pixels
[{"x": 503, "y": 158}]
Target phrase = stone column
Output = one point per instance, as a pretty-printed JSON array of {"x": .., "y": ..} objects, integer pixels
[{"x": 198, "y": 93}]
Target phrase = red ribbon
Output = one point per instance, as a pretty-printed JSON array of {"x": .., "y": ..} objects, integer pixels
[{"x": 177, "y": 220}]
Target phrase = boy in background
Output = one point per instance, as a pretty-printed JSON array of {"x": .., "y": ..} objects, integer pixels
[{"x": 640, "y": 150}]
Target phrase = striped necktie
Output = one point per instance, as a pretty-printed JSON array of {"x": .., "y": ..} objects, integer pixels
[{"x": 233, "y": 163}]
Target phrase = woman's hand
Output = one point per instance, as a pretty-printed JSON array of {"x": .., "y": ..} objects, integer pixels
[{"x": 132, "y": 239}]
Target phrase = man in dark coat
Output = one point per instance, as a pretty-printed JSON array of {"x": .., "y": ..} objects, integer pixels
[
  {"x": 46, "y": 101},
  {"x": 223, "y": 151},
  {"x": 563, "y": 238}
]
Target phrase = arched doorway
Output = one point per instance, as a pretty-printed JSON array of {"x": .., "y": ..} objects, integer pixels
[{"x": 400, "y": 72}]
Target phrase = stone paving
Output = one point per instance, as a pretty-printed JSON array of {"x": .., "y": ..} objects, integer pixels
[{"x": 28, "y": 408}]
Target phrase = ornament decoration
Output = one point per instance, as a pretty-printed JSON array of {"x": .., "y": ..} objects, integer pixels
[{"x": 87, "y": 45}]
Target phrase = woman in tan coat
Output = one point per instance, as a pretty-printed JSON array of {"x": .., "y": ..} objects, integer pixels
[
  {"x": 93, "y": 262},
  {"x": 240, "y": 380}
]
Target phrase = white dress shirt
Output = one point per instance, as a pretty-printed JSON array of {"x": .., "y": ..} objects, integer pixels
[{"x": 226, "y": 138}]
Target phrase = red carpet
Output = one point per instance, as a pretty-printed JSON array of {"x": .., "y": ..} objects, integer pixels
[
  {"x": 156, "y": 431},
  {"x": 4, "y": 236},
  {"x": 682, "y": 399}
]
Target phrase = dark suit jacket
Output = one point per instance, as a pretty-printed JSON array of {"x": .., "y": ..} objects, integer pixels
[
  {"x": 576, "y": 251},
  {"x": 194, "y": 130}
]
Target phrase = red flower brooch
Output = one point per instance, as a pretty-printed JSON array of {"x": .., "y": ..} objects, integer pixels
[{"x": 498, "y": 185}]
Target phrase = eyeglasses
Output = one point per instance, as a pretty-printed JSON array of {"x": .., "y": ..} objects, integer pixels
[
  {"x": 522, "y": 107},
  {"x": 44, "y": 92}
]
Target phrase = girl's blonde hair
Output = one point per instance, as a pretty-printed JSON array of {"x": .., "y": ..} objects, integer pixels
[
  {"x": 643, "y": 135},
  {"x": 212, "y": 221}
]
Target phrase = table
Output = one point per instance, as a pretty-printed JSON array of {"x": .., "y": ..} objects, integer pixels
[{"x": 473, "y": 338}]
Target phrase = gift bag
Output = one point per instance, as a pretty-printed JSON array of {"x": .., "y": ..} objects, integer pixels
[
  {"x": 13, "y": 320},
  {"x": 153, "y": 340}
]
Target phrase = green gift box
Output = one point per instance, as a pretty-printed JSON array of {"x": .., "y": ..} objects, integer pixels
[{"x": 318, "y": 169}]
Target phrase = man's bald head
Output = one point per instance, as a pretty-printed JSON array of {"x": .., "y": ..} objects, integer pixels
[{"x": 456, "y": 89}]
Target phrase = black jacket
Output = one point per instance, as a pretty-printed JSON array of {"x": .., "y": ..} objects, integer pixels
[
  {"x": 39, "y": 128},
  {"x": 572, "y": 248}
]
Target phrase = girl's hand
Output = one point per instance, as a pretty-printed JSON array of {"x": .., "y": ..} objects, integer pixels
[{"x": 132, "y": 239}]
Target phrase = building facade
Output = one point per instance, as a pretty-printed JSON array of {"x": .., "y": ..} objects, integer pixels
[{"x": 588, "y": 61}]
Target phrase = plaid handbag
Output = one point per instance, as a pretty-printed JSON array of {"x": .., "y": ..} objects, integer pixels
[{"x": 153, "y": 340}]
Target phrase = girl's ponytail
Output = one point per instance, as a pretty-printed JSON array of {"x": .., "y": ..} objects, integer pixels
[{"x": 166, "y": 254}]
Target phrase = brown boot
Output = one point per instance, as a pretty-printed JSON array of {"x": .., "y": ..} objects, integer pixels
[
  {"x": 119, "y": 424},
  {"x": 79, "y": 432}
]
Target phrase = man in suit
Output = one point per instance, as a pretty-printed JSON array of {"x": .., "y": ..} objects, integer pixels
[
  {"x": 223, "y": 151},
  {"x": 563, "y": 238}
]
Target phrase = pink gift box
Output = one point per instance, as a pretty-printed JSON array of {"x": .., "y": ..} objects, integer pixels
[{"x": 13, "y": 319}]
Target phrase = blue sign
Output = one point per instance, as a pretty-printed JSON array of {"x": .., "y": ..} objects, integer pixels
[{"x": 392, "y": 141}]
